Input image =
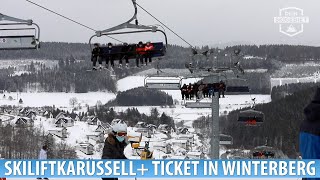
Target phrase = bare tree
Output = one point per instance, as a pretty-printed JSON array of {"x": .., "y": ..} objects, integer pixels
[{"x": 73, "y": 101}]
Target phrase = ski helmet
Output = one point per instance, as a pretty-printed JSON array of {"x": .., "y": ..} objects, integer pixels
[{"x": 120, "y": 126}]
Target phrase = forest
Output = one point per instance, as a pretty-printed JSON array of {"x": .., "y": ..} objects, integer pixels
[{"x": 280, "y": 129}]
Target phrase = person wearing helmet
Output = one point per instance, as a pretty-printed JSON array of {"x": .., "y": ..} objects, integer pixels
[
  {"x": 140, "y": 50},
  {"x": 149, "y": 48},
  {"x": 115, "y": 143}
]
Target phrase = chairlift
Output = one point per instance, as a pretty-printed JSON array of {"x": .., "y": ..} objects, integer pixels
[
  {"x": 237, "y": 85},
  {"x": 198, "y": 104},
  {"x": 226, "y": 139},
  {"x": 251, "y": 117},
  {"x": 163, "y": 83},
  {"x": 117, "y": 50},
  {"x": 10, "y": 41}
]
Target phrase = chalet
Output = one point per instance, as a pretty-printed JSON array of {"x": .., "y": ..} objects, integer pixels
[
  {"x": 96, "y": 136},
  {"x": 60, "y": 132},
  {"x": 24, "y": 121},
  {"x": 104, "y": 128},
  {"x": 64, "y": 122},
  {"x": 31, "y": 114},
  {"x": 181, "y": 143},
  {"x": 47, "y": 114},
  {"x": 195, "y": 155},
  {"x": 94, "y": 121},
  {"x": 61, "y": 115},
  {"x": 86, "y": 148}
]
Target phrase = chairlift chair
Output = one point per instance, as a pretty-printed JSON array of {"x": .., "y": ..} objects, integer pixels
[
  {"x": 226, "y": 139},
  {"x": 198, "y": 104},
  {"x": 17, "y": 42},
  {"x": 163, "y": 83},
  {"x": 251, "y": 117},
  {"x": 159, "y": 47}
]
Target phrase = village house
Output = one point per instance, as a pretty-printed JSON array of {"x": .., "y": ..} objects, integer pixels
[
  {"x": 96, "y": 136},
  {"x": 24, "y": 121},
  {"x": 64, "y": 122},
  {"x": 86, "y": 148},
  {"x": 105, "y": 128},
  {"x": 60, "y": 132},
  {"x": 181, "y": 143}
]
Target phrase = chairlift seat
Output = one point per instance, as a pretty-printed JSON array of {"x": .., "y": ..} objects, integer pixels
[
  {"x": 198, "y": 104},
  {"x": 18, "y": 42},
  {"x": 159, "y": 51},
  {"x": 226, "y": 139},
  {"x": 162, "y": 83},
  {"x": 253, "y": 116}
]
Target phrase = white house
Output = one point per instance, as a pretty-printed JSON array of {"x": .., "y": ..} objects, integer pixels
[
  {"x": 64, "y": 122},
  {"x": 86, "y": 148},
  {"x": 104, "y": 128},
  {"x": 60, "y": 132},
  {"x": 24, "y": 121},
  {"x": 96, "y": 136},
  {"x": 181, "y": 143},
  {"x": 61, "y": 115}
]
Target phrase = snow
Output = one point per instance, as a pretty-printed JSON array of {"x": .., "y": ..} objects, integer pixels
[{"x": 57, "y": 99}]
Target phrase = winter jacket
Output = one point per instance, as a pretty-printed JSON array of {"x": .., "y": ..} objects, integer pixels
[
  {"x": 96, "y": 52},
  {"x": 310, "y": 131},
  {"x": 113, "y": 149},
  {"x": 42, "y": 154},
  {"x": 149, "y": 47},
  {"x": 140, "y": 50}
]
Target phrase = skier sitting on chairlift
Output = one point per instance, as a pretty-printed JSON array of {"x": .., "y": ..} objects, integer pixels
[
  {"x": 184, "y": 91},
  {"x": 96, "y": 56},
  {"x": 125, "y": 54},
  {"x": 109, "y": 56},
  {"x": 140, "y": 53},
  {"x": 148, "y": 52}
]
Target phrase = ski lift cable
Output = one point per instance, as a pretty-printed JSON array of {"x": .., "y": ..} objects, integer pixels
[
  {"x": 68, "y": 18},
  {"x": 165, "y": 25}
]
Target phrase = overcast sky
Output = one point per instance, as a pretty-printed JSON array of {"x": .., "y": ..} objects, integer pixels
[{"x": 200, "y": 22}]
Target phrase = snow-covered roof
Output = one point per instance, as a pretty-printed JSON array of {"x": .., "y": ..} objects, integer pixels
[{"x": 194, "y": 153}]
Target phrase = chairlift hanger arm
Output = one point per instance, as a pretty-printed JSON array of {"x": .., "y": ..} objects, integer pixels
[{"x": 128, "y": 24}]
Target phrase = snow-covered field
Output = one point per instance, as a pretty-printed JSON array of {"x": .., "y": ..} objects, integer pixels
[{"x": 57, "y": 99}]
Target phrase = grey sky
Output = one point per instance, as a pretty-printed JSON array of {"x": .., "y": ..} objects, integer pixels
[{"x": 201, "y": 22}]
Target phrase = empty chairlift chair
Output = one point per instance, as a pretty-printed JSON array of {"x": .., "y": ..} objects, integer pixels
[
  {"x": 237, "y": 86},
  {"x": 18, "y": 34},
  {"x": 163, "y": 83},
  {"x": 251, "y": 117}
]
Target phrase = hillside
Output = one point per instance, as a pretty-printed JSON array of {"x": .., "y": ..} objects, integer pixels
[{"x": 281, "y": 126}]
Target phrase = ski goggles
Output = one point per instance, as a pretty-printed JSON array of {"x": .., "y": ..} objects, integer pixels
[{"x": 121, "y": 134}]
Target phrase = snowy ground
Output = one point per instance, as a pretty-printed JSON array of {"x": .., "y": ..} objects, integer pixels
[
  {"x": 183, "y": 178},
  {"x": 57, "y": 99}
]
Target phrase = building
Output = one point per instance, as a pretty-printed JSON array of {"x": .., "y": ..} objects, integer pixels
[
  {"x": 64, "y": 122},
  {"x": 162, "y": 146},
  {"x": 93, "y": 121},
  {"x": 185, "y": 144},
  {"x": 86, "y": 148},
  {"x": 96, "y": 136},
  {"x": 60, "y": 132},
  {"x": 24, "y": 121}
]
